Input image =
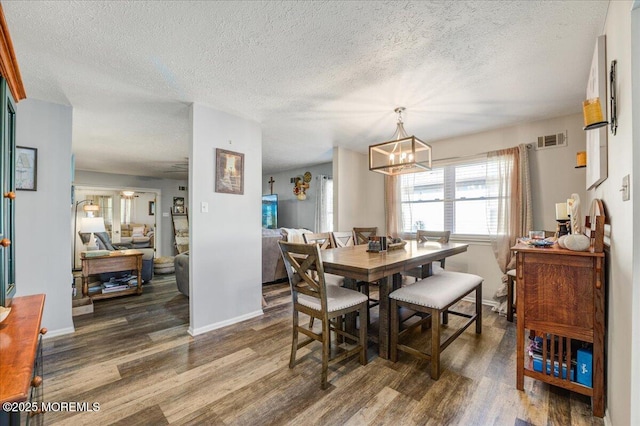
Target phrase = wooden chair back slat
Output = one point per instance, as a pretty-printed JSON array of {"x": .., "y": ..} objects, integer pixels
[
  {"x": 304, "y": 269},
  {"x": 343, "y": 239},
  {"x": 322, "y": 238},
  {"x": 361, "y": 234},
  {"x": 423, "y": 236}
]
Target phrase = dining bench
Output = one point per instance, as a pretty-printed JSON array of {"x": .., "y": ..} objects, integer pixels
[{"x": 434, "y": 295}]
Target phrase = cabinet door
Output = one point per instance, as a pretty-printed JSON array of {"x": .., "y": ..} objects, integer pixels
[{"x": 7, "y": 186}]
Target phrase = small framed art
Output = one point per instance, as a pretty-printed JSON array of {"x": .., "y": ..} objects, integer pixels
[
  {"x": 229, "y": 178},
  {"x": 178, "y": 205},
  {"x": 26, "y": 168}
]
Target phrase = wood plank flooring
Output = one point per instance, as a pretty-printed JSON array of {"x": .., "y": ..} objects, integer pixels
[{"x": 134, "y": 357}]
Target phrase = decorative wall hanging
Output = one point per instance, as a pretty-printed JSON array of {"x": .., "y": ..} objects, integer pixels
[
  {"x": 300, "y": 185},
  {"x": 229, "y": 172},
  {"x": 612, "y": 94}
]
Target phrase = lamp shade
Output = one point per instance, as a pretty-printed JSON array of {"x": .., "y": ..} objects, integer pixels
[
  {"x": 90, "y": 207},
  {"x": 92, "y": 224}
]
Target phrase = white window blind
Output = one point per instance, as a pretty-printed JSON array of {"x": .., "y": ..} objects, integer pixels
[{"x": 452, "y": 197}]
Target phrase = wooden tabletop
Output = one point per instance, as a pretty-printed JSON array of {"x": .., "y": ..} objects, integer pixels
[
  {"x": 115, "y": 253},
  {"x": 19, "y": 335},
  {"x": 355, "y": 262}
]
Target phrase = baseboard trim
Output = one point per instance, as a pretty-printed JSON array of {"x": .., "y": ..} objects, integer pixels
[
  {"x": 217, "y": 325},
  {"x": 485, "y": 302},
  {"x": 60, "y": 332}
]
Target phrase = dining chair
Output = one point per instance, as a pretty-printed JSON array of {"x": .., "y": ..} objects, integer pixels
[
  {"x": 346, "y": 239},
  {"x": 424, "y": 236},
  {"x": 327, "y": 303},
  {"x": 434, "y": 295},
  {"x": 343, "y": 239},
  {"x": 361, "y": 235}
]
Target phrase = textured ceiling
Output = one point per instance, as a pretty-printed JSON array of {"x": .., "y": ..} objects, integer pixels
[{"x": 314, "y": 74}]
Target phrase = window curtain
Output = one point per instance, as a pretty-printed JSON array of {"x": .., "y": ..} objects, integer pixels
[
  {"x": 392, "y": 208},
  {"x": 509, "y": 184},
  {"x": 324, "y": 205}
]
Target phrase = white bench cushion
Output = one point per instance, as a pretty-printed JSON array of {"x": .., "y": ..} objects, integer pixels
[
  {"x": 337, "y": 298},
  {"x": 438, "y": 290}
]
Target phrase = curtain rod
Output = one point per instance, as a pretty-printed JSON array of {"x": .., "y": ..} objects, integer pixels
[{"x": 482, "y": 154}]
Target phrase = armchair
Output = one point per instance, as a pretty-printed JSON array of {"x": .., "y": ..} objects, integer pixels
[{"x": 104, "y": 243}]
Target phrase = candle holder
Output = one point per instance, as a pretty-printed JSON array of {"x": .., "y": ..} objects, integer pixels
[{"x": 563, "y": 227}]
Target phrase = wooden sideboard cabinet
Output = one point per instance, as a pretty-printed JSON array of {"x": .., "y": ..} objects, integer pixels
[
  {"x": 560, "y": 297},
  {"x": 21, "y": 358}
]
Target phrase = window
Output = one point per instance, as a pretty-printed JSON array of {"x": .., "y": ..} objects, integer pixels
[{"x": 451, "y": 197}]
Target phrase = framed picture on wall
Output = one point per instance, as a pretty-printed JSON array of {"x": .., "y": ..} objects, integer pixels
[
  {"x": 178, "y": 205},
  {"x": 597, "y": 138},
  {"x": 26, "y": 168},
  {"x": 229, "y": 174},
  {"x": 152, "y": 208}
]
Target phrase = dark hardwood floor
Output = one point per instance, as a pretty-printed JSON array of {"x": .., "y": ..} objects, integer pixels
[{"x": 134, "y": 357}]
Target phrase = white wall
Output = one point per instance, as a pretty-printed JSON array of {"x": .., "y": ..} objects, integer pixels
[
  {"x": 43, "y": 217},
  {"x": 358, "y": 194},
  {"x": 167, "y": 187},
  {"x": 293, "y": 213},
  {"x": 225, "y": 244},
  {"x": 634, "y": 394},
  {"x": 619, "y": 213},
  {"x": 553, "y": 174}
]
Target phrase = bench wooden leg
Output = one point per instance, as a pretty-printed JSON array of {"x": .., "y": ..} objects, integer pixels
[
  {"x": 479, "y": 309},
  {"x": 435, "y": 344},
  {"x": 395, "y": 329}
]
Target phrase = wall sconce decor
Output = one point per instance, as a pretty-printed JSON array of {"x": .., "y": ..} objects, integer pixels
[
  {"x": 613, "y": 105},
  {"x": 581, "y": 159},
  {"x": 300, "y": 185},
  {"x": 592, "y": 113},
  {"x": 402, "y": 154}
]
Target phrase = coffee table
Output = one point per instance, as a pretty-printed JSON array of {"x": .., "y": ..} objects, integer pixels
[{"x": 115, "y": 261}]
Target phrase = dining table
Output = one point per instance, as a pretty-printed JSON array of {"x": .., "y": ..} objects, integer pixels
[{"x": 355, "y": 263}]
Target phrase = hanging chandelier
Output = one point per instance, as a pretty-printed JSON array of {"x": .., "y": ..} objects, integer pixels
[{"x": 402, "y": 154}]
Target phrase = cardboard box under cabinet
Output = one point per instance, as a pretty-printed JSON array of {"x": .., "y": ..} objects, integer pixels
[{"x": 585, "y": 366}]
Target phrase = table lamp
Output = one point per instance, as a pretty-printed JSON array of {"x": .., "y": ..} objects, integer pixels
[{"x": 91, "y": 225}]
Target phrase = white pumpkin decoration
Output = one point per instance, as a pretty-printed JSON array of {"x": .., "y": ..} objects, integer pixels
[
  {"x": 561, "y": 241},
  {"x": 577, "y": 242}
]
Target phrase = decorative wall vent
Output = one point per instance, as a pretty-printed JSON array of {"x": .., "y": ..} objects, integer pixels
[{"x": 552, "y": 141}]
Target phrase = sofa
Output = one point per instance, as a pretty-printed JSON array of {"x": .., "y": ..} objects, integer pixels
[
  {"x": 272, "y": 264},
  {"x": 104, "y": 243},
  {"x": 137, "y": 235},
  {"x": 181, "y": 263}
]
